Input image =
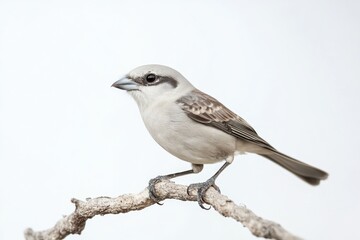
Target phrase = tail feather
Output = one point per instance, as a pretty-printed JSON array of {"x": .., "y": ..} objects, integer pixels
[{"x": 309, "y": 174}]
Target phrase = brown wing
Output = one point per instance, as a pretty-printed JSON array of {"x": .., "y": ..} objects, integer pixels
[{"x": 207, "y": 110}]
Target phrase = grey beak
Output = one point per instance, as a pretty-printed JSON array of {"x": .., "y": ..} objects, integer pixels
[{"x": 126, "y": 84}]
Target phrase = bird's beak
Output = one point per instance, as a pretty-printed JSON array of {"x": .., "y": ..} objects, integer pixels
[{"x": 126, "y": 83}]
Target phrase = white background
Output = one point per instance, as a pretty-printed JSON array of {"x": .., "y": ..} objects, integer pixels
[{"x": 290, "y": 68}]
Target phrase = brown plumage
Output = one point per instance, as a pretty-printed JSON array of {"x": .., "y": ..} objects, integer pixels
[{"x": 207, "y": 110}]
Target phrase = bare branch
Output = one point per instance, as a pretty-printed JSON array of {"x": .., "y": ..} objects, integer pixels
[{"x": 75, "y": 222}]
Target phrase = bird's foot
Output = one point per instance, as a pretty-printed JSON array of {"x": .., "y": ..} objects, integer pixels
[
  {"x": 201, "y": 190},
  {"x": 152, "y": 192}
]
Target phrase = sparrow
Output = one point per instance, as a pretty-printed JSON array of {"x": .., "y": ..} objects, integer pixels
[{"x": 197, "y": 128}]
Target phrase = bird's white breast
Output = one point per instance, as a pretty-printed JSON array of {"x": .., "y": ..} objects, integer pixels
[{"x": 183, "y": 137}]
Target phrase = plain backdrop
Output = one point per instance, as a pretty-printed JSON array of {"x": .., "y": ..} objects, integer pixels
[{"x": 290, "y": 68}]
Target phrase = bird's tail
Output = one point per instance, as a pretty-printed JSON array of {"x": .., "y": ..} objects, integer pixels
[{"x": 309, "y": 174}]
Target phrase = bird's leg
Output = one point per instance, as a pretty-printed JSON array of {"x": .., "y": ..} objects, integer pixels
[
  {"x": 196, "y": 168},
  {"x": 158, "y": 179},
  {"x": 204, "y": 186}
]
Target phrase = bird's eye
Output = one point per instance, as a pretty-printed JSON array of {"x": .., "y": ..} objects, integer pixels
[{"x": 150, "y": 78}]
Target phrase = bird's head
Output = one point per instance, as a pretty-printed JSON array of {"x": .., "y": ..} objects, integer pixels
[{"x": 149, "y": 83}]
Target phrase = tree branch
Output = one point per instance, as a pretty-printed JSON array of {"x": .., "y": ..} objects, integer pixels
[{"x": 75, "y": 222}]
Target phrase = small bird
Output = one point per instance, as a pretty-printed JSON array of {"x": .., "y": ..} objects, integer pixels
[{"x": 197, "y": 128}]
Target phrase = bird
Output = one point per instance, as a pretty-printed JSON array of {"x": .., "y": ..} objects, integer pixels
[{"x": 197, "y": 128}]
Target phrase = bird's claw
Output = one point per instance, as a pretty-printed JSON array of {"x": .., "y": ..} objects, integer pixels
[
  {"x": 201, "y": 190},
  {"x": 152, "y": 191}
]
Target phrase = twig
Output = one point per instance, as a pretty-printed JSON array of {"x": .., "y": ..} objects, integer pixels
[{"x": 75, "y": 222}]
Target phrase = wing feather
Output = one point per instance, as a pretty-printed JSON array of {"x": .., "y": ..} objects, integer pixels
[{"x": 205, "y": 109}]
